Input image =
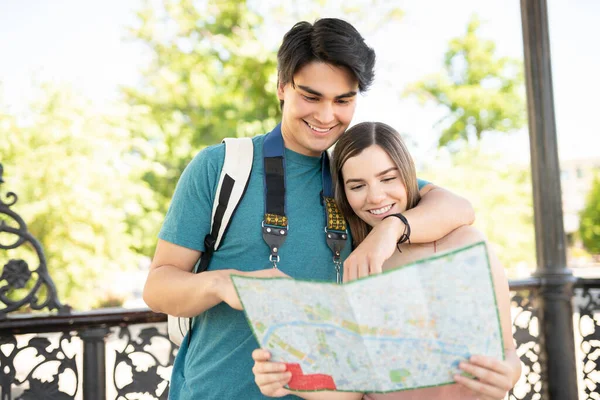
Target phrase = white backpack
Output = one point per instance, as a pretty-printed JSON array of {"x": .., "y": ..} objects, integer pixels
[{"x": 239, "y": 154}]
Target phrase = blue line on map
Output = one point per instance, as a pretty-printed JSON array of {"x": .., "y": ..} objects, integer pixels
[{"x": 457, "y": 350}]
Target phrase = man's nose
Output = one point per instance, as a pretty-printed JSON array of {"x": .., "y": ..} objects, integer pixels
[{"x": 325, "y": 114}]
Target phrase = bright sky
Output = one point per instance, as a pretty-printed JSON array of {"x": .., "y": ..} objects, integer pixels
[{"x": 82, "y": 43}]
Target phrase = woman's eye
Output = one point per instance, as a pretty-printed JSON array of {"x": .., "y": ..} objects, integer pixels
[
  {"x": 356, "y": 187},
  {"x": 388, "y": 179}
]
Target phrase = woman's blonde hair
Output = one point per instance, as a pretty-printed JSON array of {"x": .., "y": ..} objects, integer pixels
[{"x": 351, "y": 144}]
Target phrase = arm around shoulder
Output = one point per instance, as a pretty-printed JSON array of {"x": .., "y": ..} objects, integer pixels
[{"x": 438, "y": 213}]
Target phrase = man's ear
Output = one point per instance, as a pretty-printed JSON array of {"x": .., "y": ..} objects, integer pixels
[{"x": 280, "y": 90}]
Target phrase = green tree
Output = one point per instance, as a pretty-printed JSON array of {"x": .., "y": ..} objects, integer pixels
[
  {"x": 480, "y": 91},
  {"x": 589, "y": 225},
  {"x": 78, "y": 191},
  {"x": 502, "y": 198},
  {"x": 209, "y": 77}
]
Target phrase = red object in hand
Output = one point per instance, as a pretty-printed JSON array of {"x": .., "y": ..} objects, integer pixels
[{"x": 300, "y": 381}]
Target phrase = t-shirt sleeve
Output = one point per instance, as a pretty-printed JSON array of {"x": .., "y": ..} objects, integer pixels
[
  {"x": 422, "y": 183},
  {"x": 189, "y": 216}
]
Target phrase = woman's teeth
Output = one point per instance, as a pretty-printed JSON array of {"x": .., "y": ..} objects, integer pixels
[{"x": 382, "y": 210}]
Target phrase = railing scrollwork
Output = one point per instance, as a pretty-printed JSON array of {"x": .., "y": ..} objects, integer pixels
[{"x": 17, "y": 273}]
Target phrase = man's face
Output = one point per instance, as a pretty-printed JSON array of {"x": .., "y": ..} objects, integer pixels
[{"x": 318, "y": 108}]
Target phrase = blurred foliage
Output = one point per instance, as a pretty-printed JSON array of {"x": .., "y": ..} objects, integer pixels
[
  {"x": 209, "y": 77},
  {"x": 77, "y": 187},
  {"x": 501, "y": 194},
  {"x": 589, "y": 225},
  {"x": 480, "y": 91},
  {"x": 358, "y": 12}
]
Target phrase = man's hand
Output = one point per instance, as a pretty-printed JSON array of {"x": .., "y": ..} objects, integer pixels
[
  {"x": 368, "y": 258},
  {"x": 226, "y": 291}
]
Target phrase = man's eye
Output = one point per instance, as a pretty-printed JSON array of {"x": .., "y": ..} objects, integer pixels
[{"x": 309, "y": 98}]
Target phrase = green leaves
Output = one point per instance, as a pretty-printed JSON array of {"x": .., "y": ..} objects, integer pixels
[
  {"x": 79, "y": 188},
  {"x": 589, "y": 225},
  {"x": 210, "y": 77},
  {"x": 501, "y": 194},
  {"x": 480, "y": 91}
]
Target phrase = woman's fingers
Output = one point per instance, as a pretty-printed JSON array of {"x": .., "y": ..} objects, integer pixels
[
  {"x": 268, "y": 367},
  {"x": 492, "y": 376},
  {"x": 261, "y": 355},
  {"x": 491, "y": 363},
  {"x": 277, "y": 379},
  {"x": 476, "y": 386}
]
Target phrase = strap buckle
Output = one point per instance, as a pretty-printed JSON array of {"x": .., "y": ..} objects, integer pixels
[
  {"x": 336, "y": 240},
  {"x": 274, "y": 236}
]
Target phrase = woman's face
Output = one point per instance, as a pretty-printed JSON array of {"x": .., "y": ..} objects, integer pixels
[{"x": 373, "y": 185}]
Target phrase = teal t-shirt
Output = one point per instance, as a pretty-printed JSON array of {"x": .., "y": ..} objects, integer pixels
[{"x": 217, "y": 364}]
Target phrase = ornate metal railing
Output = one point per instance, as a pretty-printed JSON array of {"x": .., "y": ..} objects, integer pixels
[{"x": 124, "y": 354}]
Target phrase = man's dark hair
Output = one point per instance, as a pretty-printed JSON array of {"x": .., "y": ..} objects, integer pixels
[{"x": 329, "y": 40}]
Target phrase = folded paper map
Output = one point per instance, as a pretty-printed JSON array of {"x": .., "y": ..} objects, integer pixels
[{"x": 407, "y": 328}]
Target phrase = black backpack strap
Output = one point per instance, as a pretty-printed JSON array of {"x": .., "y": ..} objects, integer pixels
[
  {"x": 275, "y": 222},
  {"x": 336, "y": 234}
]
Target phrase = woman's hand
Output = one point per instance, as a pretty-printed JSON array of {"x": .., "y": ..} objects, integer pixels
[
  {"x": 493, "y": 378},
  {"x": 379, "y": 245},
  {"x": 270, "y": 377}
]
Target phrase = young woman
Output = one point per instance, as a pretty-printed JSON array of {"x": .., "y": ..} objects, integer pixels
[{"x": 375, "y": 177}]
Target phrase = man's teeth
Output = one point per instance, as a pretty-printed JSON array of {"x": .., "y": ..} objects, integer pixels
[
  {"x": 318, "y": 129},
  {"x": 381, "y": 210}
]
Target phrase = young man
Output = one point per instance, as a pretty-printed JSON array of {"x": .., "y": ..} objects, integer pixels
[{"x": 321, "y": 69}]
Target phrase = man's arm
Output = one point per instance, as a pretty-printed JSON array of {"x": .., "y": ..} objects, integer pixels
[
  {"x": 172, "y": 288},
  {"x": 438, "y": 213}
]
